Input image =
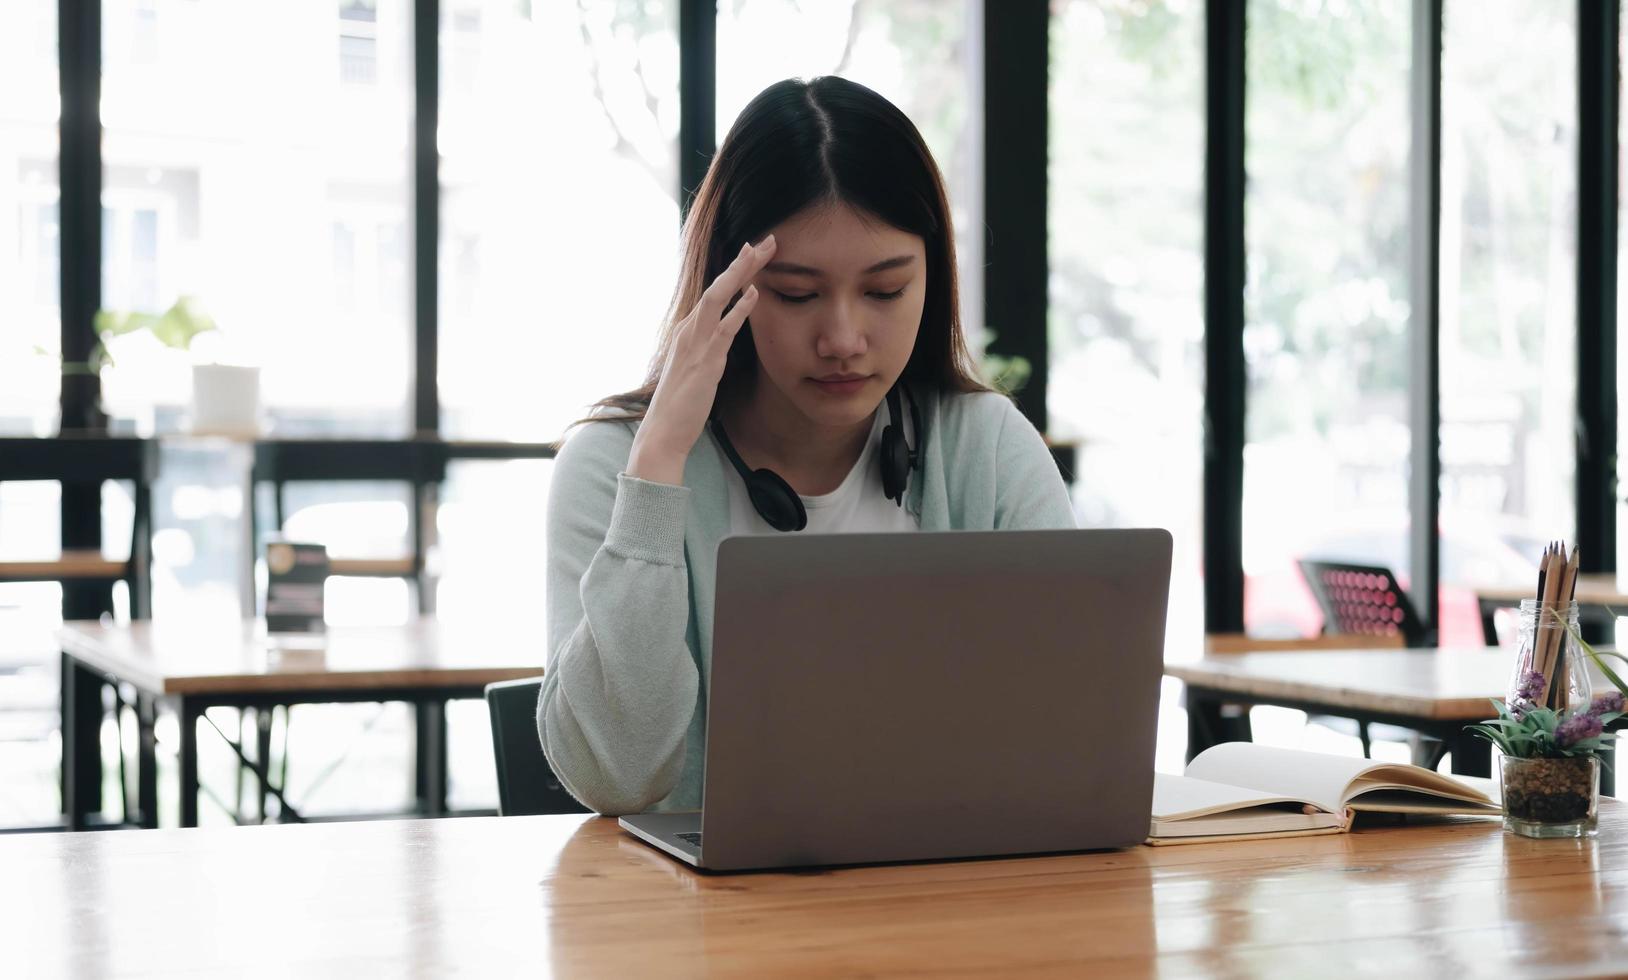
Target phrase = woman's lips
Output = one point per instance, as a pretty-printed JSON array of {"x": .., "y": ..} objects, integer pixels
[{"x": 841, "y": 386}]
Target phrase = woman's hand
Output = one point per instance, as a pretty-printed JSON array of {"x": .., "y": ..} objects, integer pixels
[{"x": 689, "y": 380}]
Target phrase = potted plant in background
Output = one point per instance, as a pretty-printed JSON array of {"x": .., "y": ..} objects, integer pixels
[
  {"x": 1550, "y": 771},
  {"x": 225, "y": 398},
  {"x": 1005, "y": 374}
]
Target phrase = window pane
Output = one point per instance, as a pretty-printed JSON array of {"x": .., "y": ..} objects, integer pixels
[
  {"x": 283, "y": 207},
  {"x": 30, "y": 343},
  {"x": 1127, "y": 278},
  {"x": 199, "y": 549},
  {"x": 492, "y": 536},
  {"x": 1326, "y": 303},
  {"x": 30, "y": 752},
  {"x": 913, "y": 52},
  {"x": 1622, "y": 319},
  {"x": 31, "y": 338},
  {"x": 492, "y": 539},
  {"x": 560, "y": 222},
  {"x": 1508, "y": 292}
]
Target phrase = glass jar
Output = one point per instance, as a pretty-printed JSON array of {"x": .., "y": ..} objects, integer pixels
[
  {"x": 1551, "y": 797},
  {"x": 1549, "y": 647}
]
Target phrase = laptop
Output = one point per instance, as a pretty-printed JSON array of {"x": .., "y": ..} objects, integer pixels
[{"x": 907, "y": 697}]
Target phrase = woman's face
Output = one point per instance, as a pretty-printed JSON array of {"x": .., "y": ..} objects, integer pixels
[{"x": 840, "y": 307}]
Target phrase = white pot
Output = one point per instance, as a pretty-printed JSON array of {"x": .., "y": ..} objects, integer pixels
[{"x": 225, "y": 400}]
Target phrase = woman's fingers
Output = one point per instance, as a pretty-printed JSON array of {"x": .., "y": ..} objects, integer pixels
[
  {"x": 689, "y": 380},
  {"x": 731, "y": 322},
  {"x": 747, "y": 263}
]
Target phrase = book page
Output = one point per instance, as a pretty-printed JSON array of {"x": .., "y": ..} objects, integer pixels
[
  {"x": 1318, "y": 778},
  {"x": 1246, "y": 823},
  {"x": 1186, "y": 798},
  {"x": 1417, "y": 802},
  {"x": 1334, "y": 782},
  {"x": 1186, "y": 807},
  {"x": 1393, "y": 788},
  {"x": 1162, "y": 841}
]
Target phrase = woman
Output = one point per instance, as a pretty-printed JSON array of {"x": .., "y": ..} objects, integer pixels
[{"x": 816, "y": 380}]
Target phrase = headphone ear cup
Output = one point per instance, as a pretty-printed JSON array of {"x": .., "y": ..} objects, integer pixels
[
  {"x": 895, "y": 459},
  {"x": 774, "y": 499}
]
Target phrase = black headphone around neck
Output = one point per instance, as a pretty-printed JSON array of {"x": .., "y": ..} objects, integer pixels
[{"x": 779, "y": 505}]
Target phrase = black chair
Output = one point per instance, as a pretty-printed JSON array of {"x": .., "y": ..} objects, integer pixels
[
  {"x": 418, "y": 463},
  {"x": 88, "y": 461},
  {"x": 1367, "y": 600},
  {"x": 81, "y": 463},
  {"x": 525, "y": 784},
  {"x": 1362, "y": 599}
]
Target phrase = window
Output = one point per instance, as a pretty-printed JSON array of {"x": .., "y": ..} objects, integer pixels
[
  {"x": 358, "y": 42},
  {"x": 41, "y": 248},
  {"x": 559, "y": 225},
  {"x": 1127, "y": 279},
  {"x": 30, "y": 270},
  {"x": 1326, "y": 303},
  {"x": 1622, "y": 342},
  {"x": 1508, "y": 291},
  {"x": 144, "y": 31},
  {"x": 130, "y": 252},
  {"x": 225, "y": 188}
]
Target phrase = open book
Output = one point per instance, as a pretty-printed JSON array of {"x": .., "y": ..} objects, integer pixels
[{"x": 1243, "y": 790}]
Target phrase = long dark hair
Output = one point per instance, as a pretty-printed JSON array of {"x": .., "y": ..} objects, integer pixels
[{"x": 797, "y": 144}]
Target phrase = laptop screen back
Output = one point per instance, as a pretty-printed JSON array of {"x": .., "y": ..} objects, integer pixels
[{"x": 886, "y": 697}]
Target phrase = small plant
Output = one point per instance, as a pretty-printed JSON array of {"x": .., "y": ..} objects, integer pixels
[
  {"x": 1598, "y": 656},
  {"x": 1544, "y": 733},
  {"x": 1551, "y": 760},
  {"x": 1005, "y": 374},
  {"x": 175, "y": 328}
]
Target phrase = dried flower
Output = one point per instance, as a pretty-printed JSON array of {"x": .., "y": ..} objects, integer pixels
[
  {"x": 1605, "y": 704},
  {"x": 1531, "y": 686},
  {"x": 1577, "y": 728}
]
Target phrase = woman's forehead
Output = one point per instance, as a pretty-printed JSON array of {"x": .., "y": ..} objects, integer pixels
[{"x": 834, "y": 239}]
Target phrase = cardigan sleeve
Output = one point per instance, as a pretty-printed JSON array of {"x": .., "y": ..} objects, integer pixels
[
  {"x": 620, "y": 684},
  {"x": 1029, "y": 490}
]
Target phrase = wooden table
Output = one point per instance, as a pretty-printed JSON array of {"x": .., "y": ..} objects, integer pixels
[
  {"x": 1433, "y": 691},
  {"x": 1599, "y": 597},
  {"x": 573, "y": 896},
  {"x": 202, "y": 664}
]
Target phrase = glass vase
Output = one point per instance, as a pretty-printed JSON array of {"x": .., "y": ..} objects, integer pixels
[
  {"x": 1551, "y": 797},
  {"x": 1548, "y": 647}
]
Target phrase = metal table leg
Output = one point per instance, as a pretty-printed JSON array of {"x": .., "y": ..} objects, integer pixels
[
  {"x": 430, "y": 763},
  {"x": 188, "y": 711},
  {"x": 81, "y": 699},
  {"x": 262, "y": 757},
  {"x": 1212, "y": 720},
  {"x": 1472, "y": 755},
  {"x": 146, "y": 760}
]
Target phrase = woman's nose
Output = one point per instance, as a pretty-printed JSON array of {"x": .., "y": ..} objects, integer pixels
[{"x": 843, "y": 335}]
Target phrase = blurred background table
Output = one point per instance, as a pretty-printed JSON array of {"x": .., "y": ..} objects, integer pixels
[
  {"x": 1434, "y": 692},
  {"x": 199, "y": 664},
  {"x": 1601, "y": 598}
]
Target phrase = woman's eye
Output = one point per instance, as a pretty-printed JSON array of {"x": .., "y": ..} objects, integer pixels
[
  {"x": 893, "y": 295},
  {"x": 790, "y": 298}
]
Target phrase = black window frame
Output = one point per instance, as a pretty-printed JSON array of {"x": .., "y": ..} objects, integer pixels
[{"x": 1013, "y": 101}]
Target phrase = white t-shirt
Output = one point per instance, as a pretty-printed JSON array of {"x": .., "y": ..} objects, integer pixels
[{"x": 857, "y": 504}]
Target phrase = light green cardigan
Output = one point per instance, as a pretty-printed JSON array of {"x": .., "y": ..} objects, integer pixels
[{"x": 631, "y": 572}]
